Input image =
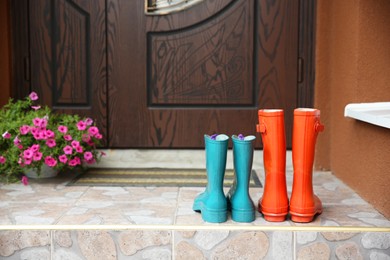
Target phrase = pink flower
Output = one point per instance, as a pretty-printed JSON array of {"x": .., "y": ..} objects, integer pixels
[
  {"x": 34, "y": 147},
  {"x": 81, "y": 125},
  {"x": 89, "y": 121},
  {"x": 103, "y": 153},
  {"x": 91, "y": 161},
  {"x": 20, "y": 146},
  {"x": 33, "y": 96},
  {"x": 86, "y": 138},
  {"x": 63, "y": 158},
  {"x": 63, "y": 129},
  {"x": 74, "y": 162},
  {"x": 68, "y": 137},
  {"x": 88, "y": 156},
  {"x": 37, "y": 121},
  {"x": 37, "y": 156},
  {"x": 43, "y": 122},
  {"x": 6, "y": 135},
  {"x": 34, "y": 130},
  {"x": 98, "y": 136},
  {"x": 79, "y": 149},
  {"x": 2, "y": 159},
  {"x": 40, "y": 135},
  {"x": 24, "y": 180},
  {"x": 27, "y": 161},
  {"x": 51, "y": 143},
  {"x": 35, "y": 107},
  {"x": 49, "y": 134},
  {"x": 75, "y": 144},
  {"x": 28, "y": 154},
  {"x": 16, "y": 141},
  {"x": 77, "y": 159},
  {"x": 68, "y": 149},
  {"x": 93, "y": 130},
  {"x": 24, "y": 129},
  {"x": 50, "y": 161}
]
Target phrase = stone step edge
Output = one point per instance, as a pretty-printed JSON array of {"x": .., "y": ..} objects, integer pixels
[{"x": 215, "y": 227}]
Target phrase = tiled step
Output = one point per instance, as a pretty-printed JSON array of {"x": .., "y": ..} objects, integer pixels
[
  {"x": 193, "y": 242},
  {"x": 50, "y": 220}
]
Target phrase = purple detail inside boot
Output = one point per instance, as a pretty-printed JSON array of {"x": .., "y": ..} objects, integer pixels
[
  {"x": 241, "y": 136},
  {"x": 214, "y": 136}
]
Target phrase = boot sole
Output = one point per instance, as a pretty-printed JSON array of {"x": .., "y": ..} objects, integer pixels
[
  {"x": 304, "y": 218},
  {"x": 273, "y": 217},
  {"x": 243, "y": 215},
  {"x": 210, "y": 215},
  {"x": 213, "y": 216}
]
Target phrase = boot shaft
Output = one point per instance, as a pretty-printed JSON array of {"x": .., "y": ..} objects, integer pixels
[
  {"x": 242, "y": 161},
  {"x": 272, "y": 129},
  {"x": 243, "y": 154},
  {"x": 216, "y": 154},
  {"x": 305, "y": 130}
]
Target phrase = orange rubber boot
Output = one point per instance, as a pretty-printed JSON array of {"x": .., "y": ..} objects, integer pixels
[
  {"x": 304, "y": 205},
  {"x": 274, "y": 203}
]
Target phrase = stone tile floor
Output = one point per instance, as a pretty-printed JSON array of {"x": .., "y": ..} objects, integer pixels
[{"x": 61, "y": 218}]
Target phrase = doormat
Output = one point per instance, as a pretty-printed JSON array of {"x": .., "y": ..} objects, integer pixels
[{"x": 152, "y": 177}]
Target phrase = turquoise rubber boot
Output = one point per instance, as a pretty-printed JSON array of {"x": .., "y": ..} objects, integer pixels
[
  {"x": 239, "y": 200},
  {"x": 212, "y": 202}
]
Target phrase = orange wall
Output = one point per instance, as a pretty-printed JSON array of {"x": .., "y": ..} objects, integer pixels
[
  {"x": 352, "y": 66},
  {"x": 5, "y": 74}
]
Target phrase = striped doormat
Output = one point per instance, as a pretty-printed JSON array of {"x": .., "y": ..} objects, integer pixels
[{"x": 152, "y": 177}]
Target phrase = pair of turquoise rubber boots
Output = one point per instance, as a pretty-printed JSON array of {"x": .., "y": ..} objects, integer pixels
[{"x": 212, "y": 203}]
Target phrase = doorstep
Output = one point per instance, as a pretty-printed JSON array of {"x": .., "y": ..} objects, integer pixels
[{"x": 50, "y": 219}]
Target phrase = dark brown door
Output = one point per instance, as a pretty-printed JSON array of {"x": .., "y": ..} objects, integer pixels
[
  {"x": 206, "y": 69},
  {"x": 162, "y": 81}
]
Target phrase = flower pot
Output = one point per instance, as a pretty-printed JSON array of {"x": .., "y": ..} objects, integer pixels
[{"x": 46, "y": 172}]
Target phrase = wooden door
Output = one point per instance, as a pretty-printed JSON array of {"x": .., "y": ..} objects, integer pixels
[
  {"x": 162, "y": 81},
  {"x": 206, "y": 69}
]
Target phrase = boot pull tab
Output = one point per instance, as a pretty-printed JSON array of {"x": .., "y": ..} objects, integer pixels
[
  {"x": 319, "y": 127},
  {"x": 261, "y": 128}
]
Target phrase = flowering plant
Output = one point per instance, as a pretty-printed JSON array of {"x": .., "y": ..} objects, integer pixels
[{"x": 33, "y": 136}]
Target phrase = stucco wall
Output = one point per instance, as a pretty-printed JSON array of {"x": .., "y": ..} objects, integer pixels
[
  {"x": 352, "y": 66},
  {"x": 5, "y": 75}
]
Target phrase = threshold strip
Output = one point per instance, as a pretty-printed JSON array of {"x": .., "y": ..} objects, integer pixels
[
  {"x": 153, "y": 172},
  {"x": 146, "y": 181},
  {"x": 195, "y": 227}
]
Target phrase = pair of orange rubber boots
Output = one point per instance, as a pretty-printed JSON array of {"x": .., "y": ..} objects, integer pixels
[{"x": 303, "y": 204}]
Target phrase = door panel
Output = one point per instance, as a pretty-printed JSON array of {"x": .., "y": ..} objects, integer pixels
[
  {"x": 68, "y": 65},
  {"x": 205, "y": 65},
  {"x": 170, "y": 84}
]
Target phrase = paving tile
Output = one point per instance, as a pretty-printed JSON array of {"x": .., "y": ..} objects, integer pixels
[{"x": 101, "y": 244}]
